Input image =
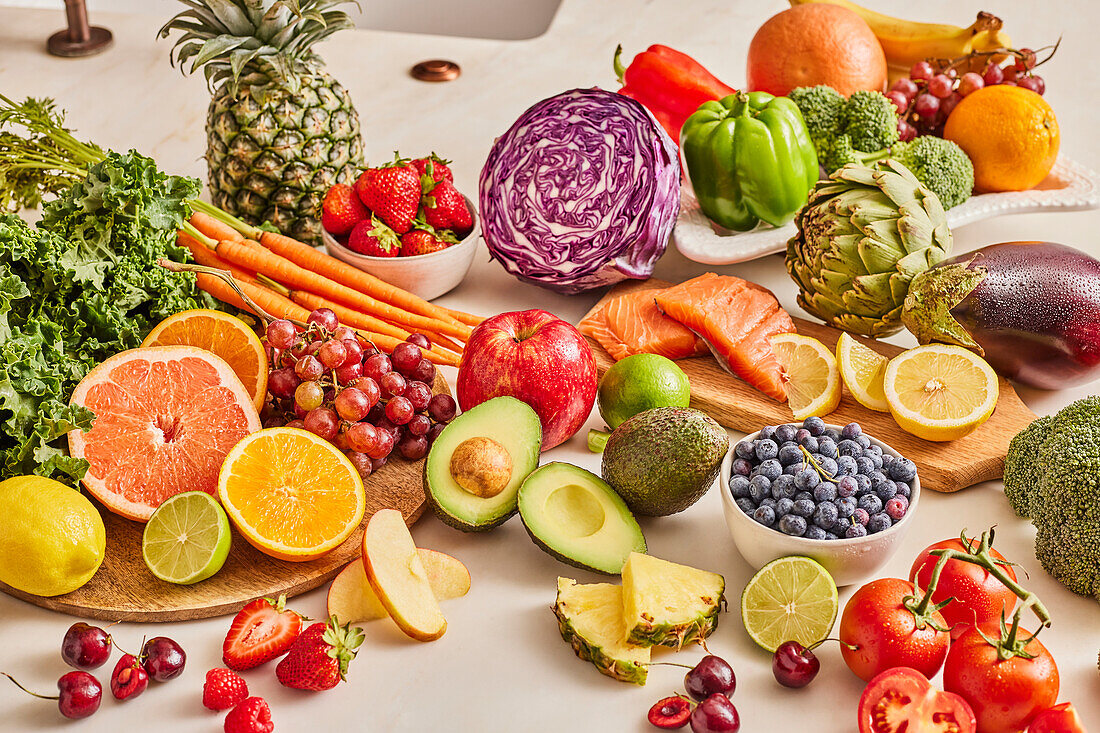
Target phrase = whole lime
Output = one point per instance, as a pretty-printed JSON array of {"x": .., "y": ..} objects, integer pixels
[
  {"x": 52, "y": 539},
  {"x": 638, "y": 383}
]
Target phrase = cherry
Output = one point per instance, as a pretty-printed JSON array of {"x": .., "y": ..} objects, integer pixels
[
  {"x": 129, "y": 678},
  {"x": 671, "y": 712},
  {"x": 716, "y": 714},
  {"x": 712, "y": 676},
  {"x": 79, "y": 694},
  {"x": 794, "y": 665},
  {"x": 85, "y": 646},
  {"x": 163, "y": 658}
]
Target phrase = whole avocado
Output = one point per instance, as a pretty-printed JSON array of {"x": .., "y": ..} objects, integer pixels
[{"x": 662, "y": 461}]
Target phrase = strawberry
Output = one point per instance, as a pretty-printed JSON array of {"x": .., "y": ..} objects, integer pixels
[
  {"x": 250, "y": 716},
  {"x": 392, "y": 192},
  {"x": 434, "y": 167},
  {"x": 320, "y": 657},
  {"x": 342, "y": 210},
  {"x": 262, "y": 630},
  {"x": 372, "y": 237},
  {"x": 223, "y": 689},
  {"x": 445, "y": 208},
  {"x": 424, "y": 239}
]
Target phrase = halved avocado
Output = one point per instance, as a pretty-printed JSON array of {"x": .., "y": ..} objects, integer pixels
[
  {"x": 576, "y": 517},
  {"x": 514, "y": 429}
]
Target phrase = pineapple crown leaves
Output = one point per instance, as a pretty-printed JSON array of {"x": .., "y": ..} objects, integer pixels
[
  {"x": 231, "y": 38},
  {"x": 342, "y": 643}
]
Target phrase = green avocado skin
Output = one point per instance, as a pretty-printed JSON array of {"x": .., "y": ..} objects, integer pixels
[{"x": 662, "y": 461}]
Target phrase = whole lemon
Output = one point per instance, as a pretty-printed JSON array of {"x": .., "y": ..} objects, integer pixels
[{"x": 51, "y": 538}]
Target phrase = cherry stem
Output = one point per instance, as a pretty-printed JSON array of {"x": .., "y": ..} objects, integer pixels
[
  {"x": 24, "y": 689},
  {"x": 667, "y": 664},
  {"x": 816, "y": 644}
]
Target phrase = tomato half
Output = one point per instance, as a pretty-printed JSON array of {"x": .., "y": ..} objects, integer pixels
[
  {"x": 979, "y": 597},
  {"x": 903, "y": 699},
  {"x": 884, "y": 632},
  {"x": 1005, "y": 694},
  {"x": 1058, "y": 719}
]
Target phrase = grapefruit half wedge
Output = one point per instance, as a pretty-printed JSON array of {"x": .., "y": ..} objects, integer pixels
[{"x": 165, "y": 418}]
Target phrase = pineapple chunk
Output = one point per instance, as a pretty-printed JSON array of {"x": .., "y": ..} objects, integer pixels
[
  {"x": 668, "y": 604},
  {"x": 591, "y": 620}
]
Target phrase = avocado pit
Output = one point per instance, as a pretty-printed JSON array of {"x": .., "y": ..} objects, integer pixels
[{"x": 481, "y": 466}]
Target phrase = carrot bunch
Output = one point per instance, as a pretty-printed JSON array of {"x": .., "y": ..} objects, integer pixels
[{"x": 289, "y": 278}]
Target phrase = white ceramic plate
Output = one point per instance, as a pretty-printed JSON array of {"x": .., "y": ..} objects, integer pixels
[{"x": 1069, "y": 187}]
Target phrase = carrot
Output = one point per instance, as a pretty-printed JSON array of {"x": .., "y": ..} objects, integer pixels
[
  {"x": 214, "y": 228},
  {"x": 286, "y": 272},
  {"x": 206, "y": 256},
  {"x": 468, "y": 318},
  {"x": 275, "y": 304}
]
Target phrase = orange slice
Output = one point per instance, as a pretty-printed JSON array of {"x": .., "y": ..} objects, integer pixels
[
  {"x": 291, "y": 494},
  {"x": 227, "y": 336},
  {"x": 165, "y": 418}
]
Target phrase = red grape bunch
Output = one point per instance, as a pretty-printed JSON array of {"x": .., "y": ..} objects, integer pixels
[
  {"x": 324, "y": 379},
  {"x": 927, "y": 96}
]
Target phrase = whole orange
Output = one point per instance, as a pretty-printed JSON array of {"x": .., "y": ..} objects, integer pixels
[
  {"x": 1010, "y": 134},
  {"x": 815, "y": 44}
]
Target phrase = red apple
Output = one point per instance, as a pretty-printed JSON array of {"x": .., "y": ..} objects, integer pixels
[{"x": 535, "y": 357}]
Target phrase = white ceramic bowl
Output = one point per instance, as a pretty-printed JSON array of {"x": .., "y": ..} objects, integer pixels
[
  {"x": 847, "y": 560},
  {"x": 427, "y": 276}
]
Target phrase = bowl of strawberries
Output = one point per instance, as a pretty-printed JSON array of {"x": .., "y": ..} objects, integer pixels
[{"x": 403, "y": 222}]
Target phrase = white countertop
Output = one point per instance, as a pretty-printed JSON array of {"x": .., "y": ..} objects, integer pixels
[{"x": 502, "y": 665}]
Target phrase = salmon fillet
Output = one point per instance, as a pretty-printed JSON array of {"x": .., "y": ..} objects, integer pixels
[
  {"x": 736, "y": 319},
  {"x": 632, "y": 324}
]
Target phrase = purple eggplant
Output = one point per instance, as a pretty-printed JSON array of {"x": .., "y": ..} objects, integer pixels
[{"x": 1032, "y": 309}]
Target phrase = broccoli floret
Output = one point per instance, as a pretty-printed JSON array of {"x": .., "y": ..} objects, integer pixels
[
  {"x": 1022, "y": 469},
  {"x": 870, "y": 120},
  {"x": 820, "y": 107},
  {"x": 939, "y": 164}
]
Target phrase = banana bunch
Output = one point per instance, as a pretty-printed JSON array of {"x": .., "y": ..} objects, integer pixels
[{"x": 905, "y": 42}]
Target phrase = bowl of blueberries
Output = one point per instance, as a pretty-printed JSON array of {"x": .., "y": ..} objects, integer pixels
[{"x": 828, "y": 492}]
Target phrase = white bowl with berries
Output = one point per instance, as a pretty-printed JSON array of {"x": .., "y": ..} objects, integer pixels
[
  {"x": 405, "y": 223},
  {"x": 843, "y": 476}
]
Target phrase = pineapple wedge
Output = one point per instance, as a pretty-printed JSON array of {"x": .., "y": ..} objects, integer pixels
[
  {"x": 668, "y": 604},
  {"x": 591, "y": 620}
]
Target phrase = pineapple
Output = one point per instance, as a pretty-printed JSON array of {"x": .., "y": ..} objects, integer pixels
[
  {"x": 280, "y": 130},
  {"x": 668, "y": 604},
  {"x": 591, "y": 620}
]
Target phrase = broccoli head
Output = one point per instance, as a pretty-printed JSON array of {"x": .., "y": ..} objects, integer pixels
[
  {"x": 1022, "y": 469},
  {"x": 820, "y": 107},
  {"x": 939, "y": 164},
  {"x": 870, "y": 120}
]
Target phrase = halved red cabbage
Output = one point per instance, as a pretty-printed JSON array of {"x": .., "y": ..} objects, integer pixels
[{"x": 582, "y": 191}]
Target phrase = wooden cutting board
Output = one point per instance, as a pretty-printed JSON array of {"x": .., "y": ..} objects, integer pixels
[
  {"x": 123, "y": 589},
  {"x": 943, "y": 467}
]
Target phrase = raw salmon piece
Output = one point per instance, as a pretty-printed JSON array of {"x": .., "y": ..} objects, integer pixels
[
  {"x": 633, "y": 324},
  {"x": 736, "y": 319}
]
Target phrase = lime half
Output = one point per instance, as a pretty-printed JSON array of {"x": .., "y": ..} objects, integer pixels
[
  {"x": 789, "y": 599},
  {"x": 187, "y": 538},
  {"x": 638, "y": 383}
]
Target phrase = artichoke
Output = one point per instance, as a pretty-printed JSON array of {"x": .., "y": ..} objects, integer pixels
[{"x": 862, "y": 237}]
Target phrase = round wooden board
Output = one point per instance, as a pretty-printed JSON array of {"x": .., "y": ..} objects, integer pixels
[{"x": 123, "y": 589}]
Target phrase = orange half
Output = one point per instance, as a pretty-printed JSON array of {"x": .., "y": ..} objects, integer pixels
[
  {"x": 227, "y": 336},
  {"x": 291, "y": 494}
]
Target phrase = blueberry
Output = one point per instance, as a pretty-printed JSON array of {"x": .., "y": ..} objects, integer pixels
[
  {"x": 851, "y": 430},
  {"x": 793, "y": 525},
  {"x": 770, "y": 469},
  {"x": 877, "y": 450},
  {"x": 903, "y": 470},
  {"x": 783, "y": 506},
  {"x": 846, "y": 486},
  {"x": 768, "y": 502},
  {"x": 832, "y": 435},
  {"x": 827, "y": 465},
  {"x": 876, "y": 459},
  {"x": 794, "y": 468},
  {"x": 746, "y": 505},
  {"x": 806, "y": 479},
  {"x": 845, "y": 506},
  {"x": 863, "y": 481},
  {"x": 783, "y": 487},
  {"x": 766, "y": 448},
  {"x": 745, "y": 449},
  {"x": 801, "y": 435},
  {"x": 856, "y": 530},
  {"x": 870, "y": 503},
  {"x": 767, "y": 431},
  {"x": 741, "y": 467},
  {"x": 789, "y": 453},
  {"x": 887, "y": 459},
  {"x": 879, "y": 523},
  {"x": 759, "y": 488},
  {"x": 849, "y": 448},
  {"x": 846, "y": 466},
  {"x": 827, "y": 447},
  {"x": 804, "y": 495},
  {"x": 765, "y": 515},
  {"x": 785, "y": 433},
  {"x": 739, "y": 486},
  {"x": 813, "y": 532},
  {"x": 825, "y": 492},
  {"x": 810, "y": 443},
  {"x": 886, "y": 491},
  {"x": 878, "y": 478},
  {"x": 904, "y": 490},
  {"x": 865, "y": 465},
  {"x": 864, "y": 441},
  {"x": 831, "y": 536},
  {"x": 815, "y": 425},
  {"x": 826, "y": 515},
  {"x": 861, "y": 516},
  {"x": 803, "y": 507},
  {"x": 897, "y": 507}
]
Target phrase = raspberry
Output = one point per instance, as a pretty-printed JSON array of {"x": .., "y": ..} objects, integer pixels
[
  {"x": 223, "y": 689},
  {"x": 251, "y": 716}
]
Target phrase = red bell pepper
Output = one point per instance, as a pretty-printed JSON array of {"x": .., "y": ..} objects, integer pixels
[{"x": 670, "y": 84}]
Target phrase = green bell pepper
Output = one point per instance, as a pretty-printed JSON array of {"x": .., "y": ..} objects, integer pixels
[{"x": 749, "y": 158}]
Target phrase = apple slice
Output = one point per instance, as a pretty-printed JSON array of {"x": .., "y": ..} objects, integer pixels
[
  {"x": 398, "y": 577},
  {"x": 352, "y": 600}
]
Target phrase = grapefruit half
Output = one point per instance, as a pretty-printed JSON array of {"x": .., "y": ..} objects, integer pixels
[{"x": 165, "y": 418}]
